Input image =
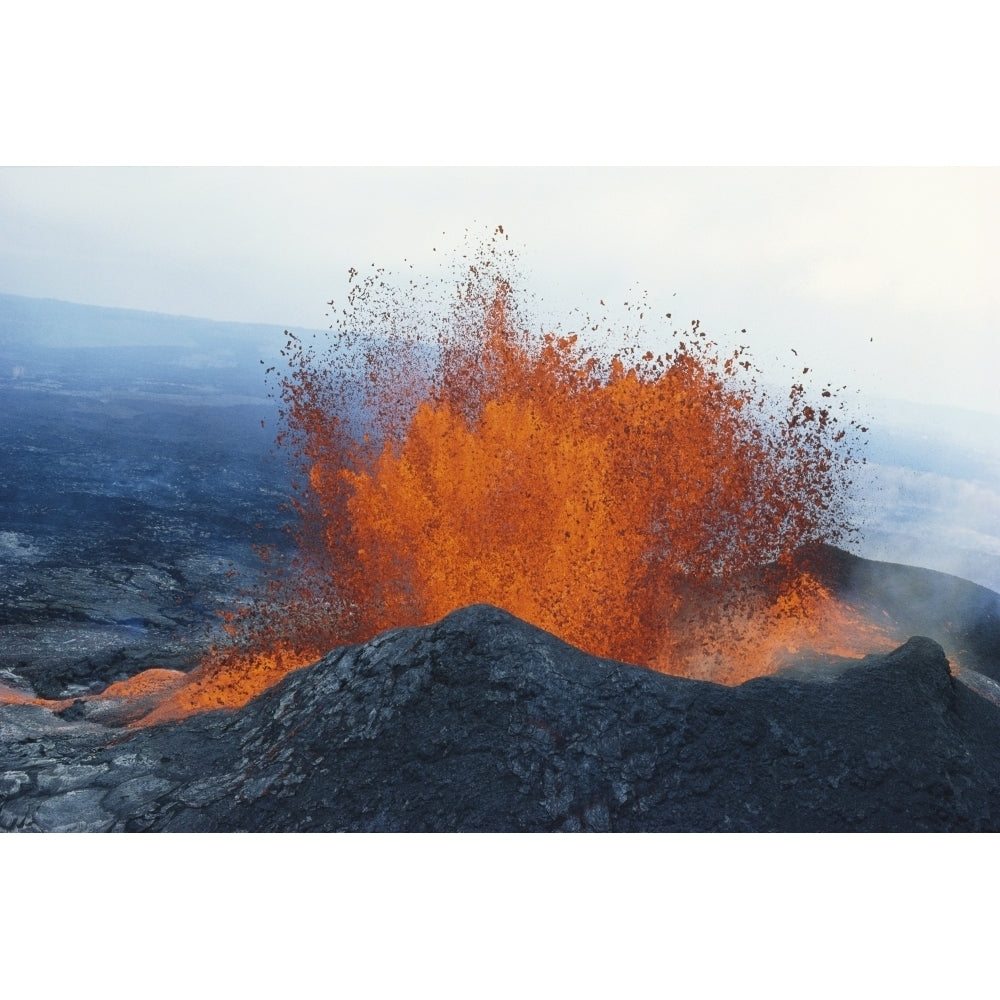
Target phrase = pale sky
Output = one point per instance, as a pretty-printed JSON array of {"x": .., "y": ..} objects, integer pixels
[
  {"x": 883, "y": 279},
  {"x": 880, "y": 278}
]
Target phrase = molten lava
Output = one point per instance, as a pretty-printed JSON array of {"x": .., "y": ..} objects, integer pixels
[{"x": 644, "y": 506}]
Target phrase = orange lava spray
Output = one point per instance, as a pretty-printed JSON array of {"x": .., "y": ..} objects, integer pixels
[{"x": 643, "y": 504}]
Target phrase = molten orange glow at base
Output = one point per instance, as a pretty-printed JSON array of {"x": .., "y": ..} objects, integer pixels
[
  {"x": 226, "y": 682},
  {"x": 757, "y": 635},
  {"x": 141, "y": 693},
  {"x": 752, "y": 635},
  {"x": 11, "y": 696}
]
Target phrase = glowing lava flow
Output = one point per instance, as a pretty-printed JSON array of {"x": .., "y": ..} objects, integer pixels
[{"x": 134, "y": 697}]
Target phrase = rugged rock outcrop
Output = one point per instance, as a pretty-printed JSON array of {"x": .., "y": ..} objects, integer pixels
[{"x": 481, "y": 722}]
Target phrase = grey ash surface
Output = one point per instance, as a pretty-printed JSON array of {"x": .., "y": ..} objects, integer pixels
[{"x": 483, "y": 723}]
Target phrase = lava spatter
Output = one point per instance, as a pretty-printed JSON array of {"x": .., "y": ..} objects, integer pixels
[{"x": 643, "y": 503}]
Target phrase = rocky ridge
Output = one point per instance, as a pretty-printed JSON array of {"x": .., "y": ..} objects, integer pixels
[{"x": 481, "y": 722}]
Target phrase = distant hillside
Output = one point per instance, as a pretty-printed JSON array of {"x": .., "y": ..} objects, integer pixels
[
  {"x": 56, "y": 324},
  {"x": 63, "y": 347}
]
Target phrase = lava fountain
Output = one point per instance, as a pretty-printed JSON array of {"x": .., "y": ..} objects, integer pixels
[{"x": 644, "y": 503}]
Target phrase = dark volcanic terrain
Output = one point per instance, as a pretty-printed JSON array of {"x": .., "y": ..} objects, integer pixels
[
  {"x": 483, "y": 723},
  {"x": 135, "y": 481},
  {"x": 121, "y": 523}
]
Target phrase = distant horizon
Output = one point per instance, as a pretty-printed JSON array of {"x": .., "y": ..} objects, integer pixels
[{"x": 278, "y": 329}]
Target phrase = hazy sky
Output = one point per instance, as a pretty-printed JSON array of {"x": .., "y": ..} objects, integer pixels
[{"x": 883, "y": 278}]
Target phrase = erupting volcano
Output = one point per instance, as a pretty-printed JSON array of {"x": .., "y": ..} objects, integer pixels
[
  {"x": 502, "y": 545},
  {"x": 644, "y": 503}
]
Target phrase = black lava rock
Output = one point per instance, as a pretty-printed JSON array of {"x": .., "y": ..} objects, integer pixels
[{"x": 482, "y": 722}]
